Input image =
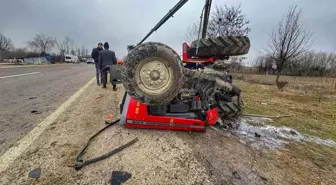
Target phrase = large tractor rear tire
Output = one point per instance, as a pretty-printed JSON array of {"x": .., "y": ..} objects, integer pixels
[
  {"x": 220, "y": 46},
  {"x": 152, "y": 73}
]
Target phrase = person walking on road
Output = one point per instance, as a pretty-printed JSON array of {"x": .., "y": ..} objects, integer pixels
[
  {"x": 107, "y": 58},
  {"x": 95, "y": 56}
]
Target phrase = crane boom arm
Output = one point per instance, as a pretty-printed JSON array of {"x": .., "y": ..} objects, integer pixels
[
  {"x": 165, "y": 18},
  {"x": 172, "y": 11},
  {"x": 207, "y": 8}
]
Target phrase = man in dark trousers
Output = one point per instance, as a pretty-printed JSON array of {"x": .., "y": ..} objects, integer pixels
[
  {"x": 107, "y": 58},
  {"x": 95, "y": 56}
]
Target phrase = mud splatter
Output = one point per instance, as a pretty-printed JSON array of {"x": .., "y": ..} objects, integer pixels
[{"x": 272, "y": 137}]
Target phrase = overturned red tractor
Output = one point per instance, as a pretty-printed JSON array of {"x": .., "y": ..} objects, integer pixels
[{"x": 164, "y": 91}]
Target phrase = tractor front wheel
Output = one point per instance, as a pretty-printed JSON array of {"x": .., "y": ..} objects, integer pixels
[{"x": 152, "y": 73}]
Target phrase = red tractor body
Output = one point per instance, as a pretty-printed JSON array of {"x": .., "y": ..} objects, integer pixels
[
  {"x": 136, "y": 115},
  {"x": 187, "y": 58}
]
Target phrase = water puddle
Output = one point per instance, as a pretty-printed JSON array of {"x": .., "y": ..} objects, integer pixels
[{"x": 256, "y": 133}]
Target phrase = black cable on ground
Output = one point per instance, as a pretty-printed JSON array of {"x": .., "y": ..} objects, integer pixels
[{"x": 80, "y": 163}]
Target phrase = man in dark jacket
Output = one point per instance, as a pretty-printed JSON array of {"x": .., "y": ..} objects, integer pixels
[
  {"x": 107, "y": 58},
  {"x": 95, "y": 56}
]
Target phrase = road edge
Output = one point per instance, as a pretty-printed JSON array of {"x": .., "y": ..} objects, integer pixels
[{"x": 14, "y": 152}]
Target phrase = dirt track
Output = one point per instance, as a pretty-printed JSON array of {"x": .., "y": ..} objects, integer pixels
[{"x": 160, "y": 157}]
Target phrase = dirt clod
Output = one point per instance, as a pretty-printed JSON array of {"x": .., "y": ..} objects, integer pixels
[
  {"x": 36, "y": 112},
  {"x": 235, "y": 174}
]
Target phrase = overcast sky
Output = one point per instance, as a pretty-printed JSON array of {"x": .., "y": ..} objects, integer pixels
[{"x": 124, "y": 22}]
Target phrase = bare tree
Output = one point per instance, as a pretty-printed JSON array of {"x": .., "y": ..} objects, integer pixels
[
  {"x": 224, "y": 21},
  {"x": 62, "y": 49},
  {"x": 78, "y": 51},
  {"x": 42, "y": 43},
  {"x": 5, "y": 43},
  {"x": 265, "y": 63},
  {"x": 83, "y": 51},
  {"x": 87, "y": 52},
  {"x": 65, "y": 46},
  {"x": 73, "y": 52},
  {"x": 289, "y": 39},
  {"x": 333, "y": 68},
  {"x": 305, "y": 63},
  {"x": 20, "y": 52},
  {"x": 192, "y": 33},
  {"x": 72, "y": 47},
  {"x": 68, "y": 43},
  {"x": 228, "y": 21}
]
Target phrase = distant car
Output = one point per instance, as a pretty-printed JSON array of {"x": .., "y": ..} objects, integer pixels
[
  {"x": 90, "y": 61},
  {"x": 82, "y": 59}
]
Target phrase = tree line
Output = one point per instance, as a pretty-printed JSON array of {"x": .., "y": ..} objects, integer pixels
[
  {"x": 310, "y": 63},
  {"x": 41, "y": 45}
]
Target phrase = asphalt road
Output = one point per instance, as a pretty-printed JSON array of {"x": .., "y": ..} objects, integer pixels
[{"x": 40, "y": 89}]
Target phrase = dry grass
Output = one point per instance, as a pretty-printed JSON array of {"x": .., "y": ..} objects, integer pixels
[
  {"x": 305, "y": 84},
  {"x": 311, "y": 100}
]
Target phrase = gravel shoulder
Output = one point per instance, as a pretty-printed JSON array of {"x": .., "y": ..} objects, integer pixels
[{"x": 161, "y": 157}]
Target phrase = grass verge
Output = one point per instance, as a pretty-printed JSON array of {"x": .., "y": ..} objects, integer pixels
[{"x": 313, "y": 108}]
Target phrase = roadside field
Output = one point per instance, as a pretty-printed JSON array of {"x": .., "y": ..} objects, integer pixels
[{"x": 311, "y": 101}]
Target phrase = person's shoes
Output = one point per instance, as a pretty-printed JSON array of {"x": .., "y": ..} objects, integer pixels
[
  {"x": 114, "y": 87},
  {"x": 104, "y": 86},
  {"x": 98, "y": 84}
]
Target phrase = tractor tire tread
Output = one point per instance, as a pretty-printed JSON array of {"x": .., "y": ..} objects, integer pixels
[{"x": 220, "y": 46}]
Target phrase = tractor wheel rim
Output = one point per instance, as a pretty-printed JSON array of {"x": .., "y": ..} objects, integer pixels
[{"x": 154, "y": 76}]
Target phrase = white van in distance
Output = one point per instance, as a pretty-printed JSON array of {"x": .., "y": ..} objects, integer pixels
[{"x": 71, "y": 59}]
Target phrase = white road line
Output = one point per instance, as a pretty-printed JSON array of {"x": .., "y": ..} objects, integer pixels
[
  {"x": 29, "y": 65},
  {"x": 23, "y": 74},
  {"x": 13, "y": 153}
]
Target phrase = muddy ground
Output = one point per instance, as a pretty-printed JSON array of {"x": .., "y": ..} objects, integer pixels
[{"x": 162, "y": 157}]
